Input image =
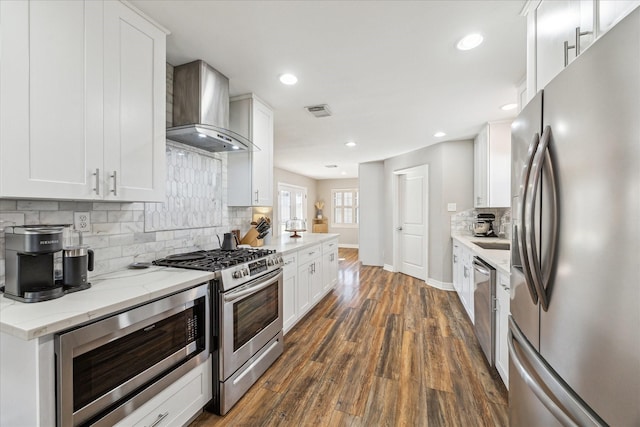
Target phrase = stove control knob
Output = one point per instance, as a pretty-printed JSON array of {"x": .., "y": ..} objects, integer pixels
[
  {"x": 271, "y": 262},
  {"x": 280, "y": 260},
  {"x": 239, "y": 274}
]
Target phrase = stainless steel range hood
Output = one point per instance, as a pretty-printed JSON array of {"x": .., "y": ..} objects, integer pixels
[{"x": 201, "y": 110}]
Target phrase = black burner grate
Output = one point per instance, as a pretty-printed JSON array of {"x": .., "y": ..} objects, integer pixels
[{"x": 212, "y": 260}]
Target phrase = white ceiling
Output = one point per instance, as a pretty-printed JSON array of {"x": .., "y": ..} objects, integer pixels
[{"x": 388, "y": 70}]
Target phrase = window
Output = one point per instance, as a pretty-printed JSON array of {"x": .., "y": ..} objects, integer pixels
[
  {"x": 292, "y": 203},
  {"x": 344, "y": 205}
]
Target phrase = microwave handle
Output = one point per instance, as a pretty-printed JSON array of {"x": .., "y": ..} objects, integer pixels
[{"x": 251, "y": 290}]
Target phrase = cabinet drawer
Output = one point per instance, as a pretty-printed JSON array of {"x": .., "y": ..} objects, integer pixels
[
  {"x": 177, "y": 404},
  {"x": 290, "y": 265},
  {"x": 309, "y": 253},
  {"x": 329, "y": 246}
]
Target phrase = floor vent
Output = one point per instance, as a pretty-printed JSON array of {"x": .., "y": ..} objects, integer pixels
[{"x": 319, "y": 110}]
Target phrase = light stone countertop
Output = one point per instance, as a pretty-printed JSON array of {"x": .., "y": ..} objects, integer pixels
[
  {"x": 285, "y": 244},
  {"x": 109, "y": 293},
  {"x": 499, "y": 259}
]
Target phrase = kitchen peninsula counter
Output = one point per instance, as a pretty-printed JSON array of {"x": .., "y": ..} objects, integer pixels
[{"x": 285, "y": 244}]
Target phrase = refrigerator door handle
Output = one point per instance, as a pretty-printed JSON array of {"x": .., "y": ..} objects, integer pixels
[
  {"x": 522, "y": 212},
  {"x": 545, "y": 383},
  {"x": 540, "y": 280}
]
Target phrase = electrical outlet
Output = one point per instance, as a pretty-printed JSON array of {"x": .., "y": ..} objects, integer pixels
[{"x": 82, "y": 221}]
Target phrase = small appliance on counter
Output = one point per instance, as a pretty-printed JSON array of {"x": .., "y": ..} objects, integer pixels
[
  {"x": 33, "y": 254},
  {"x": 29, "y": 262},
  {"x": 483, "y": 225}
]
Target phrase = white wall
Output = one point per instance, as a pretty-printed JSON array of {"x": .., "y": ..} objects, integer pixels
[
  {"x": 450, "y": 181},
  {"x": 348, "y": 235},
  {"x": 372, "y": 201}
]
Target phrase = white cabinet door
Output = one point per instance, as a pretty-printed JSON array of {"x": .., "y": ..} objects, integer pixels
[
  {"x": 556, "y": 23},
  {"x": 135, "y": 79},
  {"x": 250, "y": 181},
  {"x": 290, "y": 291},
  {"x": 329, "y": 270},
  {"x": 492, "y": 165},
  {"x": 456, "y": 268},
  {"x": 610, "y": 12},
  {"x": 305, "y": 281},
  {"x": 83, "y": 102},
  {"x": 51, "y": 103},
  {"x": 467, "y": 282},
  {"x": 502, "y": 326}
]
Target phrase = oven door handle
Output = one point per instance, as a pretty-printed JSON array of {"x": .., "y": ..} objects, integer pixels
[{"x": 233, "y": 296}]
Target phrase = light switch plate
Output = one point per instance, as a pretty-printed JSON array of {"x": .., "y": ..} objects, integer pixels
[
  {"x": 82, "y": 221},
  {"x": 451, "y": 207}
]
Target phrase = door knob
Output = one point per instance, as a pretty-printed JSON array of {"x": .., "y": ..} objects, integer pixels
[{"x": 399, "y": 228}]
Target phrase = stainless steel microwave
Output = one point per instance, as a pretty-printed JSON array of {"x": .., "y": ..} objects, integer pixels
[{"x": 107, "y": 369}]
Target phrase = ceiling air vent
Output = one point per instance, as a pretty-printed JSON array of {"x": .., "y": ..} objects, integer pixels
[{"x": 319, "y": 110}]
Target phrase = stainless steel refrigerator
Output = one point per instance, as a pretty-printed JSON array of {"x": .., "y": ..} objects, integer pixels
[{"x": 575, "y": 278}]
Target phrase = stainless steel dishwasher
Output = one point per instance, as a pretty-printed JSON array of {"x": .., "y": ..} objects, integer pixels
[{"x": 484, "y": 295}]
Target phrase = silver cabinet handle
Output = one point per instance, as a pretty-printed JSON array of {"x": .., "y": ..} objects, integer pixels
[
  {"x": 257, "y": 198},
  {"x": 97, "y": 175},
  {"x": 455, "y": 259},
  {"x": 466, "y": 272},
  {"x": 575, "y": 46},
  {"x": 545, "y": 383},
  {"x": 159, "y": 419},
  {"x": 115, "y": 183},
  {"x": 540, "y": 280}
]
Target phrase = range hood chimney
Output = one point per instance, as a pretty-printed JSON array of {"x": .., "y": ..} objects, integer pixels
[{"x": 201, "y": 110}]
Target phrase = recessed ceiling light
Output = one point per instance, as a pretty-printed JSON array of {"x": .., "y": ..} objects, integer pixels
[
  {"x": 508, "y": 107},
  {"x": 350, "y": 144},
  {"x": 288, "y": 79},
  {"x": 439, "y": 134},
  {"x": 470, "y": 41}
]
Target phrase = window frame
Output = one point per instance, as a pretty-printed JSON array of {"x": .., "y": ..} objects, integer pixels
[{"x": 355, "y": 207}]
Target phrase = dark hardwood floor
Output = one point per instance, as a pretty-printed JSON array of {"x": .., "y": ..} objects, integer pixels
[{"x": 382, "y": 349}]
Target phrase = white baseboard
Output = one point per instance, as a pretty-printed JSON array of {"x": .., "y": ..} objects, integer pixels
[
  {"x": 388, "y": 267},
  {"x": 439, "y": 285},
  {"x": 348, "y": 245}
]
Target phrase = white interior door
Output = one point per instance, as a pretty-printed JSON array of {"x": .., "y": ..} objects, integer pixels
[{"x": 412, "y": 228}]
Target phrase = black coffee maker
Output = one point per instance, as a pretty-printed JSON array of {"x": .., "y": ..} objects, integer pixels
[{"x": 29, "y": 262}]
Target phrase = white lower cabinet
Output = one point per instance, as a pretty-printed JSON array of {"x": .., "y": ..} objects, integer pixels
[
  {"x": 329, "y": 265},
  {"x": 502, "y": 326},
  {"x": 308, "y": 275},
  {"x": 176, "y": 405},
  {"x": 463, "y": 276},
  {"x": 290, "y": 291}
]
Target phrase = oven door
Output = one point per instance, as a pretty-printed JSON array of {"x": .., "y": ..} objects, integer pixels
[{"x": 250, "y": 316}]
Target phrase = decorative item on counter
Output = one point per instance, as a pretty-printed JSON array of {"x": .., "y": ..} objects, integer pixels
[
  {"x": 295, "y": 225},
  {"x": 319, "y": 206}
]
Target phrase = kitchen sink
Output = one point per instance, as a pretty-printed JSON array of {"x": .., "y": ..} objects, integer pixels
[{"x": 503, "y": 246}]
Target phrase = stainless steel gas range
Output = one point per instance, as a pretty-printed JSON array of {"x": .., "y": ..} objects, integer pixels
[{"x": 246, "y": 319}]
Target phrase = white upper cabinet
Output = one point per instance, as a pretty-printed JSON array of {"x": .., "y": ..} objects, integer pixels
[
  {"x": 492, "y": 166},
  {"x": 80, "y": 81},
  {"x": 564, "y": 28},
  {"x": 250, "y": 173},
  {"x": 559, "y": 30},
  {"x": 135, "y": 105}
]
